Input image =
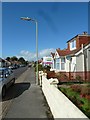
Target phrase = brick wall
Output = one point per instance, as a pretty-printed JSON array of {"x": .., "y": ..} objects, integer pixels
[
  {"x": 88, "y": 76},
  {"x": 79, "y": 41},
  {"x": 85, "y": 76},
  {"x": 68, "y": 45},
  {"x": 82, "y": 40}
]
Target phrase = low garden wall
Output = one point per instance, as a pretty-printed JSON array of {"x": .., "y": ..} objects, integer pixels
[
  {"x": 60, "y": 105},
  {"x": 80, "y": 75}
]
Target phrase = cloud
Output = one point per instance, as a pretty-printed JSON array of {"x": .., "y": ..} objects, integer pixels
[
  {"x": 46, "y": 52},
  {"x": 32, "y": 56}
]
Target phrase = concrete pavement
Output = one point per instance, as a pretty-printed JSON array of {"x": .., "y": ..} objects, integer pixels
[{"x": 29, "y": 101}]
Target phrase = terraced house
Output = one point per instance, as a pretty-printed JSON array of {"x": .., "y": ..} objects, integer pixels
[{"x": 74, "y": 61}]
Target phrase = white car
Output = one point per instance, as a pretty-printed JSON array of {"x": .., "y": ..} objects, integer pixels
[{"x": 7, "y": 79}]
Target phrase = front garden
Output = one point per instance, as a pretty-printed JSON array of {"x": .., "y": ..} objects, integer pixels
[
  {"x": 76, "y": 90},
  {"x": 79, "y": 94}
]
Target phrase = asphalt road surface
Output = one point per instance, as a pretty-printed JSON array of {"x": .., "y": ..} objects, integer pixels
[{"x": 19, "y": 71}]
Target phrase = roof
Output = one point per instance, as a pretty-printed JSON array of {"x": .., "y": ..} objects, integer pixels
[
  {"x": 52, "y": 54},
  {"x": 2, "y": 60},
  {"x": 79, "y": 35},
  {"x": 68, "y": 52},
  {"x": 72, "y": 38},
  {"x": 63, "y": 52}
]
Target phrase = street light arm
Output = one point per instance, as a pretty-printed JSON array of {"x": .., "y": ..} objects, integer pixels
[
  {"x": 25, "y": 18},
  {"x": 28, "y": 19}
]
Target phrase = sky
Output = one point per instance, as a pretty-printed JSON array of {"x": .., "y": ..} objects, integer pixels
[{"x": 58, "y": 22}]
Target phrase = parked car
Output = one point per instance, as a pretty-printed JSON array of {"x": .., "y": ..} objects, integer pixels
[
  {"x": 29, "y": 65},
  {"x": 7, "y": 79},
  {"x": 11, "y": 67},
  {"x": 15, "y": 66},
  {"x": 22, "y": 65}
]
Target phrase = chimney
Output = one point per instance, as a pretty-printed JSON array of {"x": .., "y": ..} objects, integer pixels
[
  {"x": 58, "y": 48},
  {"x": 84, "y": 33}
]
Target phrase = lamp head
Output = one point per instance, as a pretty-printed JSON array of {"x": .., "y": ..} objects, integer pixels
[{"x": 26, "y": 18}]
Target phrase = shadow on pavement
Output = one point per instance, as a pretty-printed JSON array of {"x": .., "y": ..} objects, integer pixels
[{"x": 16, "y": 90}]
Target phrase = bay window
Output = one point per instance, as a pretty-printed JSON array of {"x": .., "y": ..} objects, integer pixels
[
  {"x": 62, "y": 63},
  {"x": 57, "y": 63}
]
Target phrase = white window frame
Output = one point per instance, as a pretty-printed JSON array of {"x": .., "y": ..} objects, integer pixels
[
  {"x": 63, "y": 62},
  {"x": 58, "y": 62},
  {"x": 73, "y": 45}
]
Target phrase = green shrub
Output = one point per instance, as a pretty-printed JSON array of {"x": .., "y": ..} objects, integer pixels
[
  {"x": 76, "y": 88},
  {"x": 61, "y": 77},
  {"x": 40, "y": 67},
  {"x": 79, "y": 78},
  {"x": 81, "y": 102},
  {"x": 50, "y": 74},
  {"x": 46, "y": 68},
  {"x": 63, "y": 90},
  {"x": 85, "y": 90}
]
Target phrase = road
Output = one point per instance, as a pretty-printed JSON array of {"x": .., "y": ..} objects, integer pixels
[
  {"x": 6, "y": 103},
  {"x": 19, "y": 71}
]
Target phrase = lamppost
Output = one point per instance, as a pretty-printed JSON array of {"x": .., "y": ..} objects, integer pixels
[{"x": 35, "y": 21}]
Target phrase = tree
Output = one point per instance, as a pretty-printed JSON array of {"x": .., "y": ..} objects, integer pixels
[
  {"x": 26, "y": 62},
  {"x": 14, "y": 58},
  {"x": 8, "y": 58},
  {"x": 22, "y": 60}
]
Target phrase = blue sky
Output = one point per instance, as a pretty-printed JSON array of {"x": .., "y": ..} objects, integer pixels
[{"x": 57, "y": 23}]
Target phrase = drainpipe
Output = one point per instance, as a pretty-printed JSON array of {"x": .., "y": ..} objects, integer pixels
[
  {"x": 82, "y": 48},
  {"x": 87, "y": 64},
  {"x": 70, "y": 68},
  {"x": 83, "y": 59}
]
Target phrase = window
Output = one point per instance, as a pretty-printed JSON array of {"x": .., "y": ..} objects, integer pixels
[
  {"x": 63, "y": 60},
  {"x": 54, "y": 64},
  {"x": 73, "y": 45},
  {"x": 57, "y": 63},
  {"x": 62, "y": 63}
]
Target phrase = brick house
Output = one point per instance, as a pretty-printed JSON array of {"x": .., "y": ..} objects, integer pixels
[{"x": 75, "y": 59}]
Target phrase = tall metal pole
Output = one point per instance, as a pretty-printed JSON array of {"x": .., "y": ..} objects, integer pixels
[
  {"x": 36, "y": 52},
  {"x": 36, "y": 23}
]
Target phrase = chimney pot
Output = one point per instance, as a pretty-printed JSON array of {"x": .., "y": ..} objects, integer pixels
[{"x": 84, "y": 33}]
